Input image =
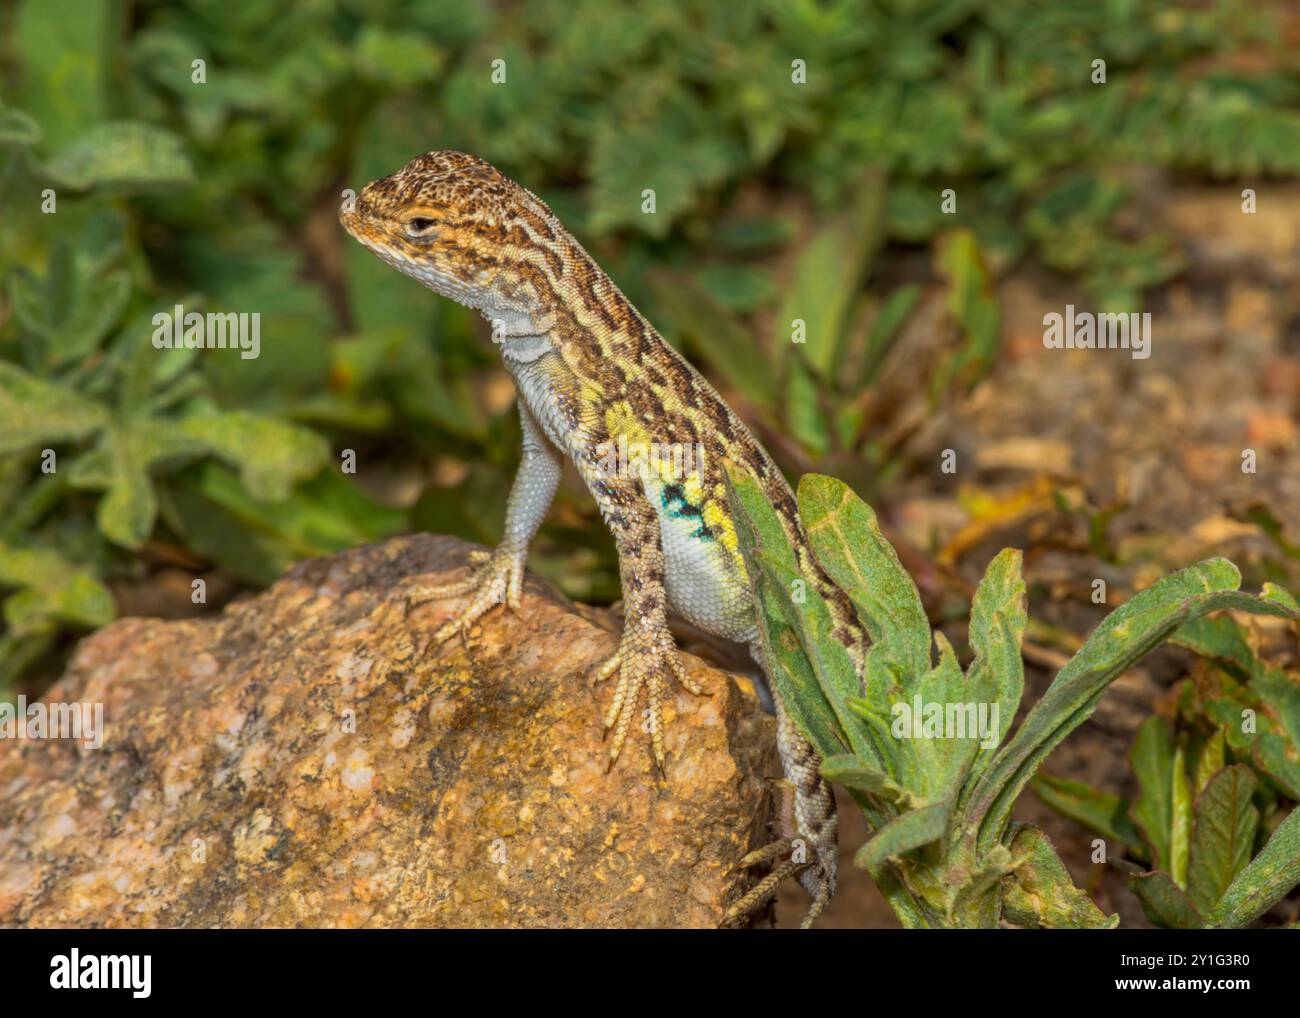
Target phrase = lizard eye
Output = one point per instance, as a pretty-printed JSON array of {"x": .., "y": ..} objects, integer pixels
[{"x": 418, "y": 226}]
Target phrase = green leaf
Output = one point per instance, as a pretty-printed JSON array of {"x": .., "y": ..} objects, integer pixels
[
  {"x": 827, "y": 277},
  {"x": 738, "y": 288},
  {"x": 1268, "y": 878},
  {"x": 678, "y": 154},
  {"x": 1039, "y": 892},
  {"x": 942, "y": 760},
  {"x": 766, "y": 547},
  {"x": 998, "y": 617},
  {"x": 50, "y": 588},
  {"x": 851, "y": 772},
  {"x": 210, "y": 507},
  {"x": 121, "y": 154},
  {"x": 1279, "y": 693},
  {"x": 903, "y": 834},
  {"x": 1123, "y": 638},
  {"x": 805, "y": 417},
  {"x": 126, "y": 513},
  {"x": 18, "y": 130},
  {"x": 1218, "y": 638},
  {"x": 1273, "y": 698},
  {"x": 122, "y": 462},
  {"x": 1164, "y": 901},
  {"x": 886, "y": 331},
  {"x": 61, "y": 46},
  {"x": 1152, "y": 759},
  {"x": 74, "y": 309},
  {"x": 1280, "y": 596},
  {"x": 33, "y": 411},
  {"x": 763, "y": 543},
  {"x": 974, "y": 306},
  {"x": 1097, "y": 810},
  {"x": 1211, "y": 760},
  {"x": 847, "y": 540},
  {"x": 1180, "y": 831},
  {"x": 1224, "y": 835},
  {"x": 271, "y": 455}
]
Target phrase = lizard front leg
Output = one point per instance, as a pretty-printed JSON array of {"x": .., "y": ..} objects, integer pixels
[
  {"x": 500, "y": 574},
  {"x": 647, "y": 652},
  {"x": 807, "y": 824}
]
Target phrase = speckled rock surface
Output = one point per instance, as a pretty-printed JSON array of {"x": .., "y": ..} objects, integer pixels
[{"x": 297, "y": 761}]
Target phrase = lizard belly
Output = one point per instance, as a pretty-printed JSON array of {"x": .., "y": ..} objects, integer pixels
[{"x": 702, "y": 580}]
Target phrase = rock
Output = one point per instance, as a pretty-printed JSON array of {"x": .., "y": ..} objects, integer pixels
[{"x": 296, "y": 761}]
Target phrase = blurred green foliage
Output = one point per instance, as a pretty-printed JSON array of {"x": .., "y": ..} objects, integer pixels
[{"x": 774, "y": 200}]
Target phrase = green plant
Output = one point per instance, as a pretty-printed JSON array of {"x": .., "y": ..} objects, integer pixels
[
  {"x": 829, "y": 342},
  {"x": 1213, "y": 789},
  {"x": 222, "y": 193},
  {"x": 1252, "y": 704},
  {"x": 98, "y": 424},
  {"x": 945, "y": 851},
  {"x": 1197, "y": 820}
]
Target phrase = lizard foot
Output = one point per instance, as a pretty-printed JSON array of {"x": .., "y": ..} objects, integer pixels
[
  {"x": 645, "y": 658},
  {"x": 810, "y": 858},
  {"x": 786, "y": 863},
  {"x": 499, "y": 577}
]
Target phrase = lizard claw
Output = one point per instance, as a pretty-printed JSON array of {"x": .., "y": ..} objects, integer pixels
[
  {"x": 498, "y": 578},
  {"x": 761, "y": 855},
  {"x": 644, "y": 659}
]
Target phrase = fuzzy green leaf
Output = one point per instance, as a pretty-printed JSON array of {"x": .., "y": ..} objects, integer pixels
[
  {"x": 998, "y": 617},
  {"x": 1219, "y": 638},
  {"x": 849, "y": 545},
  {"x": 1180, "y": 831},
  {"x": 271, "y": 455},
  {"x": 1224, "y": 835},
  {"x": 50, "y": 587},
  {"x": 33, "y": 410},
  {"x": 18, "y": 130},
  {"x": 1211, "y": 760},
  {"x": 851, "y": 772},
  {"x": 904, "y": 834},
  {"x": 783, "y": 629},
  {"x": 1268, "y": 878}
]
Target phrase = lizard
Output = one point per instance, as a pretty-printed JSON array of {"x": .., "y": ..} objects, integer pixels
[{"x": 592, "y": 375}]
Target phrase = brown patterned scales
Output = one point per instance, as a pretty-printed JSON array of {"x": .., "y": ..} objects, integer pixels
[{"x": 647, "y": 433}]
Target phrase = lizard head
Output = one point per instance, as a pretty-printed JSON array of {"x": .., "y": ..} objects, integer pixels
[{"x": 455, "y": 223}]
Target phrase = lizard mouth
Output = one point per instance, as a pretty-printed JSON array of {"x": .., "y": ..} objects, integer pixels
[{"x": 367, "y": 234}]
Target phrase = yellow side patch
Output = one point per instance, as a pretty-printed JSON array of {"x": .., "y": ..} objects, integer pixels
[{"x": 719, "y": 521}]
